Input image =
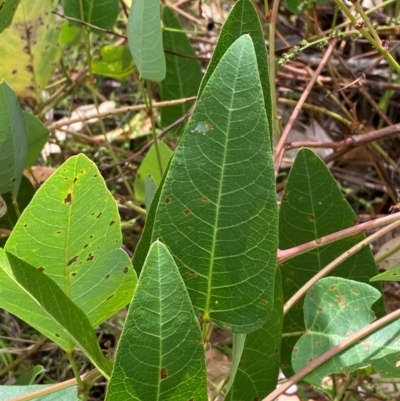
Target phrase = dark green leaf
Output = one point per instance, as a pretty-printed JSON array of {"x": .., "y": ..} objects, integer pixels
[
  {"x": 7, "y": 11},
  {"x": 13, "y": 141},
  {"x": 160, "y": 355},
  {"x": 28, "y": 378},
  {"x": 183, "y": 73},
  {"x": 217, "y": 210},
  {"x": 312, "y": 207}
]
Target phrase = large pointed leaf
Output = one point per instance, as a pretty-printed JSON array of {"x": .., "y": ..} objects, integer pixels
[
  {"x": 145, "y": 39},
  {"x": 217, "y": 209},
  {"x": 161, "y": 355},
  {"x": 258, "y": 370},
  {"x": 335, "y": 308},
  {"x": 71, "y": 231},
  {"x": 102, "y": 14},
  {"x": 13, "y": 141},
  {"x": 243, "y": 19},
  {"x": 46, "y": 296},
  {"x": 29, "y": 48},
  {"x": 313, "y": 206},
  {"x": 7, "y": 12},
  {"x": 183, "y": 73}
]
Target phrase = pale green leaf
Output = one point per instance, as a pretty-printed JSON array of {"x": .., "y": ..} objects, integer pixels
[
  {"x": 30, "y": 48},
  {"x": 71, "y": 231},
  {"x": 145, "y": 39},
  {"x": 68, "y": 394},
  {"x": 13, "y": 141},
  {"x": 38, "y": 135},
  {"x": 7, "y": 12},
  {"x": 391, "y": 275},
  {"x": 217, "y": 209},
  {"x": 46, "y": 296},
  {"x": 334, "y": 309},
  {"x": 149, "y": 166},
  {"x": 313, "y": 206},
  {"x": 149, "y": 191},
  {"x": 183, "y": 73},
  {"x": 102, "y": 14},
  {"x": 161, "y": 354}
]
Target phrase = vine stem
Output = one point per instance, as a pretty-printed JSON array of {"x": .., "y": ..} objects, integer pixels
[
  {"x": 331, "y": 353},
  {"x": 322, "y": 273}
]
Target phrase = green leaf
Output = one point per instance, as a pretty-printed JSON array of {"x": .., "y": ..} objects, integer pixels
[
  {"x": 29, "y": 377},
  {"x": 68, "y": 394},
  {"x": 53, "y": 304},
  {"x": 299, "y": 6},
  {"x": 183, "y": 74},
  {"x": 149, "y": 191},
  {"x": 25, "y": 195},
  {"x": 13, "y": 141},
  {"x": 30, "y": 48},
  {"x": 38, "y": 135},
  {"x": 7, "y": 12},
  {"x": 145, "y": 39},
  {"x": 217, "y": 210},
  {"x": 335, "y": 308},
  {"x": 161, "y": 354},
  {"x": 102, "y": 14},
  {"x": 243, "y": 19},
  {"x": 257, "y": 374},
  {"x": 149, "y": 166},
  {"x": 115, "y": 62},
  {"x": 70, "y": 34},
  {"x": 391, "y": 275},
  {"x": 71, "y": 231},
  {"x": 312, "y": 207}
]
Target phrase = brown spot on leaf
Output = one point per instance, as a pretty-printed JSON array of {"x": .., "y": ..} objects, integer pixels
[
  {"x": 110, "y": 297},
  {"x": 204, "y": 199},
  {"x": 14, "y": 72},
  {"x": 95, "y": 176},
  {"x": 68, "y": 199},
  {"x": 90, "y": 257},
  {"x": 72, "y": 260},
  {"x": 163, "y": 373},
  {"x": 106, "y": 277},
  {"x": 264, "y": 302},
  {"x": 73, "y": 274},
  {"x": 187, "y": 212},
  {"x": 99, "y": 215},
  {"x": 41, "y": 268},
  {"x": 227, "y": 326},
  {"x": 276, "y": 350},
  {"x": 334, "y": 287},
  {"x": 125, "y": 270},
  {"x": 318, "y": 343},
  {"x": 112, "y": 222},
  {"x": 192, "y": 273},
  {"x": 75, "y": 180},
  {"x": 311, "y": 217},
  {"x": 167, "y": 200},
  {"x": 56, "y": 334},
  {"x": 85, "y": 246},
  {"x": 320, "y": 310}
]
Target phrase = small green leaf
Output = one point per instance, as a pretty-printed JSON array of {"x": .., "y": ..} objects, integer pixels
[
  {"x": 30, "y": 48},
  {"x": 70, "y": 34},
  {"x": 217, "y": 210},
  {"x": 102, "y": 14},
  {"x": 13, "y": 141},
  {"x": 313, "y": 206},
  {"x": 54, "y": 304},
  {"x": 257, "y": 374},
  {"x": 38, "y": 135},
  {"x": 149, "y": 166},
  {"x": 149, "y": 191},
  {"x": 335, "y": 308},
  {"x": 160, "y": 356},
  {"x": 183, "y": 73},
  {"x": 67, "y": 394},
  {"x": 115, "y": 62},
  {"x": 71, "y": 231},
  {"x": 145, "y": 39},
  {"x": 243, "y": 19},
  {"x": 298, "y": 6},
  {"x": 391, "y": 275},
  {"x": 7, "y": 11},
  {"x": 25, "y": 195},
  {"x": 28, "y": 378}
]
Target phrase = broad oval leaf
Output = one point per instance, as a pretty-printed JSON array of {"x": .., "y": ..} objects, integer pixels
[
  {"x": 183, "y": 73},
  {"x": 313, "y": 206},
  {"x": 160, "y": 356},
  {"x": 145, "y": 39},
  {"x": 42, "y": 296},
  {"x": 7, "y": 12},
  {"x": 217, "y": 209},
  {"x": 67, "y": 394},
  {"x": 71, "y": 231},
  {"x": 13, "y": 141},
  {"x": 335, "y": 308},
  {"x": 30, "y": 48},
  {"x": 102, "y": 14}
]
